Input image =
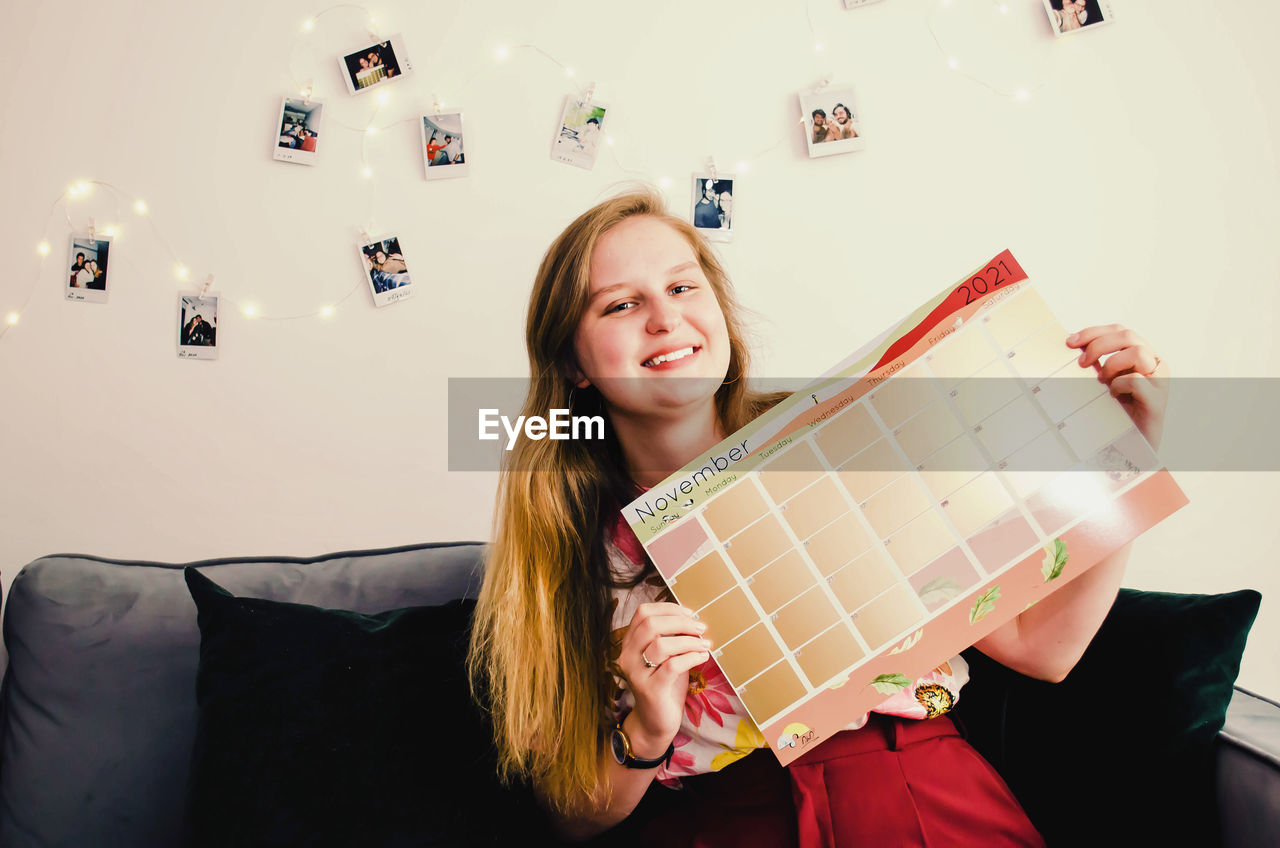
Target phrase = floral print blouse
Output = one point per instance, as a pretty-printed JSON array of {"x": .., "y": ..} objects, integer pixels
[{"x": 716, "y": 729}]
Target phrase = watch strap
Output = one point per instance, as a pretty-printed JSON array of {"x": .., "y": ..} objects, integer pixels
[{"x": 631, "y": 761}]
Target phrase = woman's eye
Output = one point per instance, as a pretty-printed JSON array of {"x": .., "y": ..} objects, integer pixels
[
  {"x": 680, "y": 286},
  {"x": 618, "y": 307}
]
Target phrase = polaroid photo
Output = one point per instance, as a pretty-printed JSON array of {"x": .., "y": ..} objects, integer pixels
[
  {"x": 376, "y": 64},
  {"x": 442, "y": 151},
  {"x": 87, "y": 279},
  {"x": 853, "y": 4},
  {"x": 386, "y": 270},
  {"x": 298, "y": 130},
  {"x": 197, "y": 326},
  {"x": 712, "y": 211},
  {"x": 831, "y": 122},
  {"x": 1067, "y": 17},
  {"x": 579, "y": 138}
]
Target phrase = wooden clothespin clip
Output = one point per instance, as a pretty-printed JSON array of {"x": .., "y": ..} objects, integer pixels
[
  {"x": 93, "y": 232},
  {"x": 208, "y": 281},
  {"x": 711, "y": 166},
  {"x": 437, "y": 105}
]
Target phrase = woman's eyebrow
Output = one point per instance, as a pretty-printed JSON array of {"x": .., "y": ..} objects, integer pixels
[{"x": 671, "y": 272}]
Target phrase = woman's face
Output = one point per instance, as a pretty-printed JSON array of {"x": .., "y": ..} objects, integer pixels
[
  {"x": 364, "y": 64},
  {"x": 653, "y": 338}
]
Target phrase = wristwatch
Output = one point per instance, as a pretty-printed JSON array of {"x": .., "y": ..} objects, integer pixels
[{"x": 621, "y": 745}]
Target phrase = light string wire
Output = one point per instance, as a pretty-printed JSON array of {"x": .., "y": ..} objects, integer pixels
[
  {"x": 306, "y": 91},
  {"x": 1020, "y": 93}
]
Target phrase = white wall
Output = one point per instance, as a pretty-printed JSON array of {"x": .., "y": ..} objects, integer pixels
[{"x": 1138, "y": 184}]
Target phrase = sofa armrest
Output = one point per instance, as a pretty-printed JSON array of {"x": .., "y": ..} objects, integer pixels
[{"x": 1249, "y": 772}]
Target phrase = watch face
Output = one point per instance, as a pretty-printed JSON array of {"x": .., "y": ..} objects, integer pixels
[{"x": 619, "y": 747}]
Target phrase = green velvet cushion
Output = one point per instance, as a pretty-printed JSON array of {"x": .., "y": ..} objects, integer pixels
[
  {"x": 1121, "y": 752},
  {"x": 331, "y": 728}
]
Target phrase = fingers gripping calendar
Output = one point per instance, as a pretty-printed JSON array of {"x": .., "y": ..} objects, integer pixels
[{"x": 921, "y": 494}]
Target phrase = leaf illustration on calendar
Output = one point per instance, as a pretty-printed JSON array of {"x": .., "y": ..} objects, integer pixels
[
  {"x": 910, "y": 641},
  {"x": 984, "y": 605},
  {"x": 939, "y": 590},
  {"x": 1055, "y": 559},
  {"x": 890, "y": 684}
]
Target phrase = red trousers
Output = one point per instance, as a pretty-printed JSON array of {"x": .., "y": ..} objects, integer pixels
[{"x": 895, "y": 783}]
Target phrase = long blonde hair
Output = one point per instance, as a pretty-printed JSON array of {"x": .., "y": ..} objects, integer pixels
[{"x": 541, "y": 629}]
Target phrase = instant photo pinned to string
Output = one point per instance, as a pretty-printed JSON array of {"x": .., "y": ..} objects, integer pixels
[
  {"x": 831, "y": 120},
  {"x": 298, "y": 130},
  {"x": 712, "y": 209},
  {"x": 1068, "y": 17},
  {"x": 87, "y": 277},
  {"x": 375, "y": 65},
  {"x": 385, "y": 269},
  {"x": 443, "y": 154},
  {"x": 198, "y": 323},
  {"x": 578, "y": 139}
]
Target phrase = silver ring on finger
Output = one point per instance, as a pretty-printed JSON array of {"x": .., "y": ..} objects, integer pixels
[{"x": 647, "y": 662}]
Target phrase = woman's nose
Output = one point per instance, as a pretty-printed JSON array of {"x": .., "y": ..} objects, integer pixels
[{"x": 664, "y": 317}]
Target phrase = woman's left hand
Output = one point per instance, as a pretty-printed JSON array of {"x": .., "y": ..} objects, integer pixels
[{"x": 1136, "y": 376}]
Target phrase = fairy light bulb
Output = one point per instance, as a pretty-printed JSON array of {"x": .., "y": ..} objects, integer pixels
[
  {"x": 743, "y": 165},
  {"x": 568, "y": 72},
  {"x": 73, "y": 191},
  {"x": 326, "y": 311},
  {"x": 368, "y": 172},
  {"x": 371, "y": 131},
  {"x": 953, "y": 64},
  {"x": 12, "y": 318},
  {"x": 665, "y": 182},
  {"x": 111, "y": 231},
  {"x": 307, "y": 25},
  {"x": 140, "y": 208},
  {"x": 182, "y": 272},
  {"x": 817, "y": 48},
  {"x": 500, "y": 53},
  {"x": 383, "y": 97},
  {"x": 43, "y": 248},
  {"x": 608, "y": 139},
  {"x": 250, "y": 310},
  {"x": 1021, "y": 94}
]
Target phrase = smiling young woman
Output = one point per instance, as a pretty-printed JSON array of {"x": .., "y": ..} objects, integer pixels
[
  {"x": 624, "y": 285},
  {"x": 602, "y": 689}
]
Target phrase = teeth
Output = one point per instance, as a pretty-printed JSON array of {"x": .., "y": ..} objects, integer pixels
[{"x": 669, "y": 357}]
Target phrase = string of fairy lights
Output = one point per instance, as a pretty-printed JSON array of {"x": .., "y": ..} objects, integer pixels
[{"x": 371, "y": 129}]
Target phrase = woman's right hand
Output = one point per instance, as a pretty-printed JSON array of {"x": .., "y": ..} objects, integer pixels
[{"x": 669, "y": 637}]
